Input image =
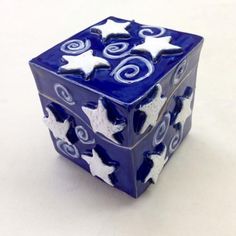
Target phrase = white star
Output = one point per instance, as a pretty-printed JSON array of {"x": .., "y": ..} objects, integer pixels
[
  {"x": 98, "y": 168},
  {"x": 111, "y": 28},
  {"x": 159, "y": 160},
  {"x": 59, "y": 129},
  {"x": 100, "y": 123},
  {"x": 186, "y": 110},
  {"x": 84, "y": 62},
  {"x": 155, "y": 46},
  {"x": 153, "y": 109}
]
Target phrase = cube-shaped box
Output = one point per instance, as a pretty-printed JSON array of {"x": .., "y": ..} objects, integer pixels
[{"x": 118, "y": 97}]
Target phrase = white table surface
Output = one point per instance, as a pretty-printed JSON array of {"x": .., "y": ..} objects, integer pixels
[{"x": 44, "y": 194}]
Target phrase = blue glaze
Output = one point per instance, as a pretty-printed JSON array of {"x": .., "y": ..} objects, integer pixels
[
  {"x": 101, "y": 80},
  {"x": 66, "y": 93}
]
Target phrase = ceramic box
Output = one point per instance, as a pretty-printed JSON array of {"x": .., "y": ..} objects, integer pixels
[{"x": 117, "y": 98}]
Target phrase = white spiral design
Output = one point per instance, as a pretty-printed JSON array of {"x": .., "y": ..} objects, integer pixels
[
  {"x": 75, "y": 46},
  {"x": 175, "y": 141},
  {"x": 132, "y": 70},
  {"x": 150, "y": 32},
  {"x": 180, "y": 70},
  {"x": 64, "y": 94},
  {"x": 83, "y": 135},
  {"x": 161, "y": 130},
  {"x": 67, "y": 149},
  {"x": 113, "y": 50}
]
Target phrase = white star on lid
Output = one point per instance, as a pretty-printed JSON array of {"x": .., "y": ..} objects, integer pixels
[
  {"x": 85, "y": 62},
  {"x": 159, "y": 160},
  {"x": 155, "y": 46},
  {"x": 100, "y": 123},
  {"x": 185, "y": 111},
  {"x": 98, "y": 168},
  {"x": 153, "y": 109},
  {"x": 111, "y": 28},
  {"x": 59, "y": 129}
]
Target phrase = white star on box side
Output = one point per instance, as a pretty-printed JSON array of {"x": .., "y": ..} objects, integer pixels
[
  {"x": 185, "y": 111},
  {"x": 100, "y": 123},
  {"x": 85, "y": 62},
  {"x": 153, "y": 109},
  {"x": 59, "y": 129},
  {"x": 156, "y": 46},
  {"x": 111, "y": 28},
  {"x": 98, "y": 168},
  {"x": 159, "y": 160}
]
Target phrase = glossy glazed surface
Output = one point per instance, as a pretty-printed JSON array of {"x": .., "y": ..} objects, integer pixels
[{"x": 119, "y": 104}]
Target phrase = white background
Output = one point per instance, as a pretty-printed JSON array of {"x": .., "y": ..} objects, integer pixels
[{"x": 44, "y": 194}]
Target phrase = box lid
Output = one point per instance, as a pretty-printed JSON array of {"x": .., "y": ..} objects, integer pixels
[{"x": 118, "y": 58}]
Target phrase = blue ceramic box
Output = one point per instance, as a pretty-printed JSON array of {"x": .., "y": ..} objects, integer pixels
[{"x": 118, "y": 97}]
